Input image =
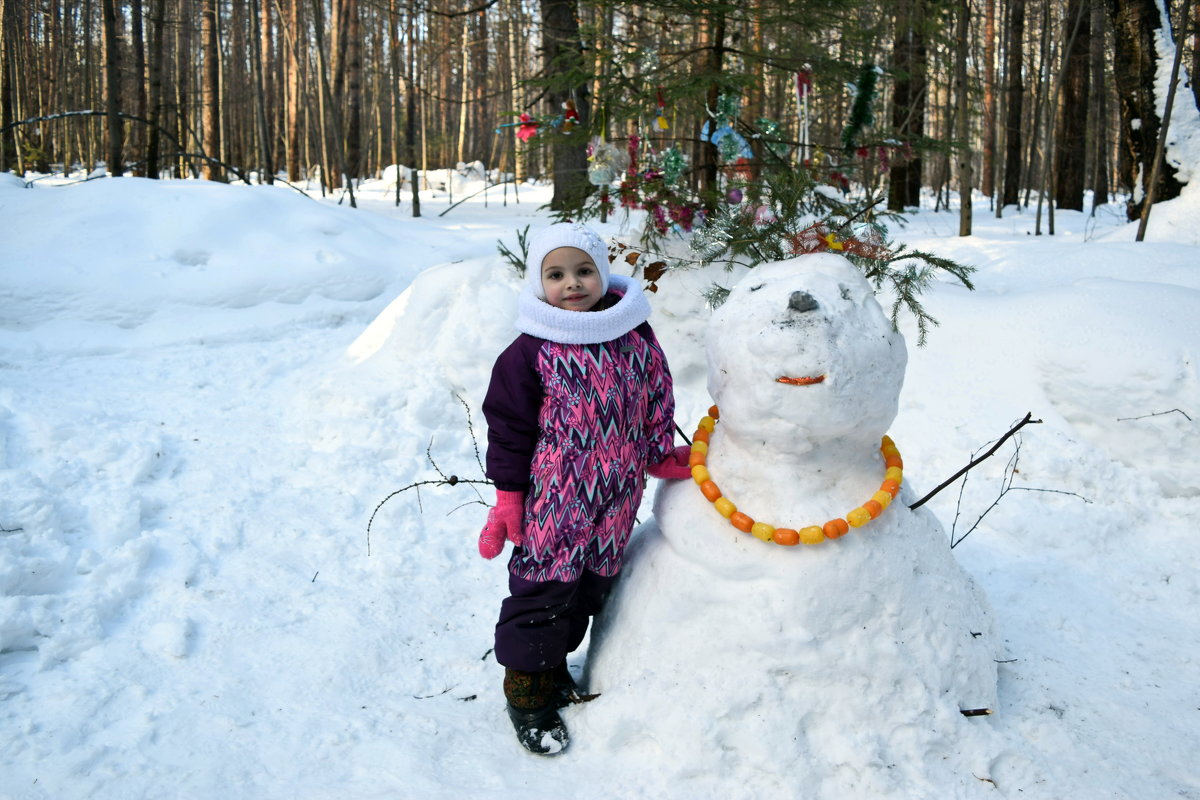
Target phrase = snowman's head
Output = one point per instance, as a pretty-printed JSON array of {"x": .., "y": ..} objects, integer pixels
[{"x": 801, "y": 354}]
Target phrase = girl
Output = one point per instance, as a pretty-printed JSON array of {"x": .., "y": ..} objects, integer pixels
[{"x": 578, "y": 408}]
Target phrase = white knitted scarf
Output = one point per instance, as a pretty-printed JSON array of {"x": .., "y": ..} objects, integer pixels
[{"x": 538, "y": 318}]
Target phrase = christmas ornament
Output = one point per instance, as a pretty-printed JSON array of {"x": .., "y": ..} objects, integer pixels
[
  {"x": 527, "y": 128},
  {"x": 605, "y": 162},
  {"x": 860, "y": 111},
  {"x": 817, "y": 237},
  {"x": 730, "y": 144},
  {"x": 660, "y": 119},
  {"x": 570, "y": 116},
  {"x": 673, "y": 163},
  {"x": 771, "y": 132}
]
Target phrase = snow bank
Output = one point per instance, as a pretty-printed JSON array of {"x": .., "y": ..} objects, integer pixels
[{"x": 190, "y": 452}]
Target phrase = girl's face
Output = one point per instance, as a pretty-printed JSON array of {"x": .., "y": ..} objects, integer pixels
[{"x": 570, "y": 279}]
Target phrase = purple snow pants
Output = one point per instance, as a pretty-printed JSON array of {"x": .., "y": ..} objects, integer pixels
[{"x": 541, "y": 622}]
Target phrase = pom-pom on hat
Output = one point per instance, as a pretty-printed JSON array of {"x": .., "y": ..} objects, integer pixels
[{"x": 564, "y": 234}]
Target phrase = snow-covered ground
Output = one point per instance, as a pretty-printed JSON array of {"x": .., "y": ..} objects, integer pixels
[{"x": 207, "y": 390}]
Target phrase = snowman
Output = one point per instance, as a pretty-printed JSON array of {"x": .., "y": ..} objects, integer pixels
[{"x": 807, "y": 637}]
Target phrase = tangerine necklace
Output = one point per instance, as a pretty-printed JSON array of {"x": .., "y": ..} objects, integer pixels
[{"x": 812, "y": 534}]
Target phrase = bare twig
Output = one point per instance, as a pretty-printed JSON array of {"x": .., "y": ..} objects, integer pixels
[
  {"x": 471, "y": 430},
  {"x": 453, "y": 480},
  {"x": 445, "y": 480},
  {"x": 432, "y": 463},
  {"x": 1010, "y": 472},
  {"x": 1051, "y": 491},
  {"x": 1028, "y": 420},
  {"x": 1005, "y": 484},
  {"x": 486, "y": 186},
  {"x": 1156, "y": 414},
  {"x": 683, "y": 435},
  {"x": 478, "y": 502}
]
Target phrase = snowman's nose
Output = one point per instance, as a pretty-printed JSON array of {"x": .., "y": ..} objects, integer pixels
[{"x": 802, "y": 301}]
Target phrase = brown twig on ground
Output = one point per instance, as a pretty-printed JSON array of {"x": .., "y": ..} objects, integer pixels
[
  {"x": 1028, "y": 420},
  {"x": 445, "y": 480},
  {"x": 1156, "y": 414},
  {"x": 452, "y": 480},
  {"x": 1006, "y": 486}
]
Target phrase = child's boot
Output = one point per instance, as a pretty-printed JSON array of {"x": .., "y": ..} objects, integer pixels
[{"x": 533, "y": 709}]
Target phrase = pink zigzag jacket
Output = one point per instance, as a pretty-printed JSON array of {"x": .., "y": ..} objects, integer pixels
[{"x": 578, "y": 405}]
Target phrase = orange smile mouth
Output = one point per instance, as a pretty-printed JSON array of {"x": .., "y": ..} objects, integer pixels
[{"x": 800, "y": 381}]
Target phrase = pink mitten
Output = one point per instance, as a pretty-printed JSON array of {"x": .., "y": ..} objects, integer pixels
[
  {"x": 504, "y": 522},
  {"x": 674, "y": 467}
]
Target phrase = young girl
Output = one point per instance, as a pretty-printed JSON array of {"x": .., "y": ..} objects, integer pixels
[{"x": 579, "y": 407}]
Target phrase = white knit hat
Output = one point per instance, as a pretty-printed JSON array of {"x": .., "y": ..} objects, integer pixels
[{"x": 564, "y": 234}]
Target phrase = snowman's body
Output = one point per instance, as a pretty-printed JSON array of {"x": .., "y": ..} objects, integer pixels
[{"x": 814, "y": 663}]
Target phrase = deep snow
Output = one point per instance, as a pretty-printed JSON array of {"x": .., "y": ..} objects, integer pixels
[{"x": 206, "y": 390}]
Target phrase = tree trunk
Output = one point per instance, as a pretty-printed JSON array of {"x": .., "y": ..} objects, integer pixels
[
  {"x": 464, "y": 93},
  {"x": 183, "y": 83},
  {"x": 393, "y": 23},
  {"x": 1135, "y": 25},
  {"x": 137, "y": 131},
  {"x": 713, "y": 31},
  {"x": 354, "y": 90},
  {"x": 562, "y": 54},
  {"x": 269, "y": 71},
  {"x": 1099, "y": 109},
  {"x": 1194, "y": 72},
  {"x": 112, "y": 89},
  {"x": 514, "y": 60},
  {"x": 989, "y": 97},
  {"x": 965, "y": 178},
  {"x": 210, "y": 93},
  {"x": 266, "y": 163},
  {"x": 909, "y": 94},
  {"x": 8, "y": 139},
  {"x": 479, "y": 77},
  {"x": 412, "y": 93},
  {"x": 1034, "y": 160},
  {"x": 1070, "y": 147},
  {"x": 292, "y": 99},
  {"x": 155, "y": 98}
]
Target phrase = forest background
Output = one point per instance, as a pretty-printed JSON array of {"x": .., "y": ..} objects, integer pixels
[{"x": 1024, "y": 100}]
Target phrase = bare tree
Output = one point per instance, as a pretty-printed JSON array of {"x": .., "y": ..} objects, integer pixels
[
  {"x": 1135, "y": 25},
  {"x": 154, "y": 99},
  {"x": 562, "y": 53},
  {"x": 137, "y": 133},
  {"x": 112, "y": 84},
  {"x": 989, "y": 97},
  {"x": 909, "y": 94},
  {"x": 8, "y": 136},
  {"x": 1070, "y": 147},
  {"x": 963, "y": 170},
  {"x": 1098, "y": 110},
  {"x": 210, "y": 91}
]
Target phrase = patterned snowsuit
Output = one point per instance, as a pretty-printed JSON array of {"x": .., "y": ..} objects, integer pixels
[{"x": 573, "y": 426}]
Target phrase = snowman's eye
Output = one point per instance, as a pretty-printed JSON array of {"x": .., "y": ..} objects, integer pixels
[
  {"x": 756, "y": 288},
  {"x": 845, "y": 292},
  {"x": 802, "y": 301}
]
